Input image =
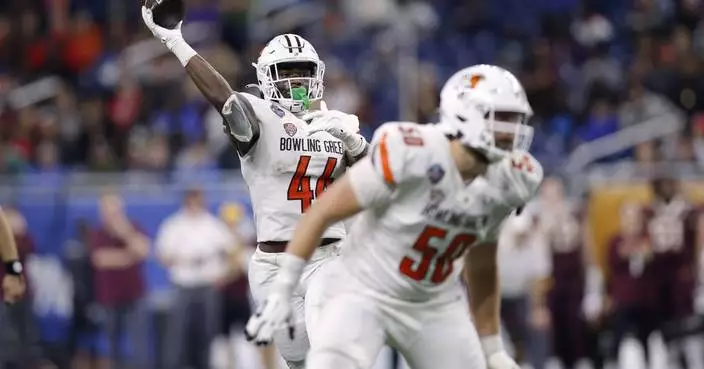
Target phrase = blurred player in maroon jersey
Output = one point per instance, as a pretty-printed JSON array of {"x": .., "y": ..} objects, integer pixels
[
  {"x": 671, "y": 222},
  {"x": 561, "y": 222},
  {"x": 632, "y": 274}
]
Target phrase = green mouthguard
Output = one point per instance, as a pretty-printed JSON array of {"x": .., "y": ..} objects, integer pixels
[{"x": 301, "y": 94}]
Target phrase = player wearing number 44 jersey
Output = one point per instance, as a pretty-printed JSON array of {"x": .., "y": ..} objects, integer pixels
[
  {"x": 431, "y": 205},
  {"x": 290, "y": 155}
]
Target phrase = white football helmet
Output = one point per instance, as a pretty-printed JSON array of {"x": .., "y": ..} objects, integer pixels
[
  {"x": 487, "y": 107},
  {"x": 290, "y": 72}
]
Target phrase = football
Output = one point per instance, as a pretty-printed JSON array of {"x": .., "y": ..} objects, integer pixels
[{"x": 167, "y": 13}]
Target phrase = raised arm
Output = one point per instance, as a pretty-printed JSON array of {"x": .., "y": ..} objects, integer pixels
[
  {"x": 209, "y": 81},
  {"x": 241, "y": 123}
]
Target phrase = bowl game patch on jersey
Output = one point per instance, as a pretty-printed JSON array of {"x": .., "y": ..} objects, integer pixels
[
  {"x": 435, "y": 173},
  {"x": 290, "y": 129}
]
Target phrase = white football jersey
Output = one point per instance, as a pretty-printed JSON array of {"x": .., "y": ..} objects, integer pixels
[
  {"x": 286, "y": 170},
  {"x": 420, "y": 216}
]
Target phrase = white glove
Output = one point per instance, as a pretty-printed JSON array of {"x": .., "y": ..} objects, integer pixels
[
  {"x": 273, "y": 315},
  {"x": 172, "y": 38},
  {"x": 592, "y": 306},
  {"x": 341, "y": 125},
  {"x": 276, "y": 313},
  {"x": 501, "y": 360},
  {"x": 496, "y": 355}
]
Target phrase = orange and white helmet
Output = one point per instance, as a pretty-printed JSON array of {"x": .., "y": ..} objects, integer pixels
[
  {"x": 487, "y": 108},
  {"x": 290, "y": 72}
]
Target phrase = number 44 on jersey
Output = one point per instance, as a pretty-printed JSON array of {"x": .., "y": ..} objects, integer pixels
[{"x": 301, "y": 189}]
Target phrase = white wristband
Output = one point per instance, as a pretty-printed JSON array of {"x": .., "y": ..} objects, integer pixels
[
  {"x": 183, "y": 51},
  {"x": 492, "y": 344},
  {"x": 356, "y": 145},
  {"x": 290, "y": 271}
]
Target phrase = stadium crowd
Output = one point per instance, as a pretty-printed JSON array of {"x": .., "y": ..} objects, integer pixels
[
  {"x": 604, "y": 66},
  {"x": 83, "y": 88}
]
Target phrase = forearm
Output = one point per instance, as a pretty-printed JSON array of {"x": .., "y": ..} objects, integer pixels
[
  {"x": 539, "y": 291},
  {"x": 328, "y": 210},
  {"x": 307, "y": 236},
  {"x": 241, "y": 123},
  {"x": 483, "y": 287},
  {"x": 235, "y": 264},
  {"x": 138, "y": 245},
  {"x": 112, "y": 259},
  {"x": 8, "y": 246},
  {"x": 485, "y": 301},
  {"x": 209, "y": 81}
]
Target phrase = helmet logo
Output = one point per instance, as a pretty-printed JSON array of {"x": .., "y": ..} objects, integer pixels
[{"x": 473, "y": 80}]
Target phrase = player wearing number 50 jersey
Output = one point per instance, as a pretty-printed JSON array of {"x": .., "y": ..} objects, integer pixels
[
  {"x": 289, "y": 154},
  {"x": 430, "y": 206}
]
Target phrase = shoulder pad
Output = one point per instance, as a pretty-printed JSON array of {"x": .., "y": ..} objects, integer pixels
[
  {"x": 395, "y": 149},
  {"x": 519, "y": 176}
]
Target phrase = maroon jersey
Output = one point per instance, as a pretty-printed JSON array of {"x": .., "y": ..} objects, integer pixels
[
  {"x": 672, "y": 229},
  {"x": 632, "y": 272},
  {"x": 671, "y": 234},
  {"x": 114, "y": 287},
  {"x": 563, "y": 231}
]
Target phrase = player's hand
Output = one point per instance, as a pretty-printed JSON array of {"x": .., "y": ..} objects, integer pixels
[
  {"x": 501, "y": 360},
  {"x": 335, "y": 122},
  {"x": 273, "y": 315},
  {"x": 13, "y": 288},
  {"x": 168, "y": 37},
  {"x": 343, "y": 126},
  {"x": 593, "y": 306}
]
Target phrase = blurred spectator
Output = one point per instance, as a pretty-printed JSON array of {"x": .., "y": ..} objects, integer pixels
[
  {"x": 591, "y": 28},
  {"x": 671, "y": 228},
  {"x": 194, "y": 246},
  {"x": 83, "y": 43},
  {"x": 541, "y": 79},
  {"x": 195, "y": 157},
  {"x": 84, "y": 323},
  {"x": 117, "y": 250},
  {"x": 648, "y": 15},
  {"x": 601, "y": 69},
  {"x": 18, "y": 327},
  {"x": 560, "y": 221},
  {"x": 631, "y": 273},
  {"x": 236, "y": 302},
  {"x": 642, "y": 105},
  {"x": 525, "y": 267}
]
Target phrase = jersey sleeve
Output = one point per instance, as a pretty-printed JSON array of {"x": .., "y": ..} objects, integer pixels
[
  {"x": 394, "y": 148},
  {"x": 521, "y": 176},
  {"x": 241, "y": 122},
  {"x": 492, "y": 232},
  {"x": 368, "y": 186}
]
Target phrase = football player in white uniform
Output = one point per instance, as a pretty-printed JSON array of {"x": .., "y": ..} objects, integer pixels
[
  {"x": 430, "y": 206},
  {"x": 289, "y": 154}
]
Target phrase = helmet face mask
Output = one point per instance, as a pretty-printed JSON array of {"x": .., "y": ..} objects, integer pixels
[
  {"x": 487, "y": 106},
  {"x": 511, "y": 130},
  {"x": 290, "y": 73}
]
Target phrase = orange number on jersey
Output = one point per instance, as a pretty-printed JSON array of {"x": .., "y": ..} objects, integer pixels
[
  {"x": 522, "y": 163},
  {"x": 411, "y": 136},
  {"x": 443, "y": 263},
  {"x": 300, "y": 189}
]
